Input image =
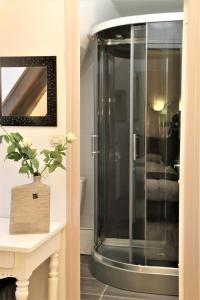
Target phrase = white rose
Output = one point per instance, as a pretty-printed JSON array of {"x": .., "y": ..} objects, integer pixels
[
  {"x": 71, "y": 137},
  {"x": 27, "y": 142}
]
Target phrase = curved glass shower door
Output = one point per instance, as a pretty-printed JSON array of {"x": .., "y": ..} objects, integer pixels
[
  {"x": 113, "y": 158},
  {"x": 137, "y": 207},
  {"x": 162, "y": 142},
  {"x": 137, "y": 193}
]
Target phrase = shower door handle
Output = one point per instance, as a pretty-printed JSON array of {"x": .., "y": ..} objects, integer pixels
[
  {"x": 134, "y": 146},
  {"x": 94, "y": 143}
]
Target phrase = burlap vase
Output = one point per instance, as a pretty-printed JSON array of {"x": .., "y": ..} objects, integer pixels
[{"x": 30, "y": 208}]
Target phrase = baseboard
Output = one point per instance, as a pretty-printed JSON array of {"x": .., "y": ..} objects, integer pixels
[{"x": 87, "y": 240}]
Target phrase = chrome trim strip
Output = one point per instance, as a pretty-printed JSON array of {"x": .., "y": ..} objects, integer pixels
[
  {"x": 137, "y": 41},
  {"x": 110, "y": 42},
  {"x": 96, "y": 118},
  {"x": 131, "y": 141},
  {"x": 145, "y": 142}
]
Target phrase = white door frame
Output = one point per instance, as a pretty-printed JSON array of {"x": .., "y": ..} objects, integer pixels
[
  {"x": 73, "y": 158},
  {"x": 189, "y": 244},
  {"x": 190, "y": 151}
]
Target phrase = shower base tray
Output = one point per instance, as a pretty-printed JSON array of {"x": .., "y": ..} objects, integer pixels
[{"x": 133, "y": 277}]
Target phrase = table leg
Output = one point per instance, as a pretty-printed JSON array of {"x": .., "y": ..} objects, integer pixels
[
  {"x": 53, "y": 277},
  {"x": 22, "y": 289}
]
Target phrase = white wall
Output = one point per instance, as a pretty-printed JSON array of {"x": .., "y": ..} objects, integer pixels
[
  {"x": 135, "y": 7},
  {"x": 93, "y": 12},
  {"x": 35, "y": 28},
  {"x": 28, "y": 30}
]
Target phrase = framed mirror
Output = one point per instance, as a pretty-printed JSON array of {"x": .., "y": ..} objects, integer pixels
[{"x": 28, "y": 91}]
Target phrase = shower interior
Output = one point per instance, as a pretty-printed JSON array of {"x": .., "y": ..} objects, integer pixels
[{"x": 137, "y": 166}]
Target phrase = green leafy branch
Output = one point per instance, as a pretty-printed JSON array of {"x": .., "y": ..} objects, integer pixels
[
  {"x": 54, "y": 159},
  {"x": 16, "y": 151},
  {"x": 20, "y": 149}
]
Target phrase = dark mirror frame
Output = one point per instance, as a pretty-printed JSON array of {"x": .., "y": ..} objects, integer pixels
[{"x": 35, "y": 61}]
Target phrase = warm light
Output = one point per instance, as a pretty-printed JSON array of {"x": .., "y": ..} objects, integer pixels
[{"x": 158, "y": 104}]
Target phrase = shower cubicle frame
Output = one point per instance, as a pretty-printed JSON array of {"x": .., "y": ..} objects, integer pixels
[{"x": 140, "y": 278}]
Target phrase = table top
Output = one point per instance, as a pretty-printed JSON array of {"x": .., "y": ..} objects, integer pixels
[{"x": 24, "y": 243}]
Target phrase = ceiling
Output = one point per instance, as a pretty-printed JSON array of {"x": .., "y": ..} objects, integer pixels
[{"x": 133, "y": 7}]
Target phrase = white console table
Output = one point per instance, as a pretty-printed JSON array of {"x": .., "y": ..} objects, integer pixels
[{"x": 20, "y": 255}]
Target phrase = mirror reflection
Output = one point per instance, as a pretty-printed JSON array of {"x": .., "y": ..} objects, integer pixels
[{"x": 23, "y": 91}]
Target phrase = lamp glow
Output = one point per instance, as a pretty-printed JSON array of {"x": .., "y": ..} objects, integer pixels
[{"x": 158, "y": 105}]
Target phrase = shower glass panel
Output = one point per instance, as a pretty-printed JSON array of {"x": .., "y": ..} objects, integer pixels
[
  {"x": 137, "y": 150},
  {"x": 113, "y": 170},
  {"x": 162, "y": 142}
]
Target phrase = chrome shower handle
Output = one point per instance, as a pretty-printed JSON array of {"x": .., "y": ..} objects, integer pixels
[
  {"x": 176, "y": 165},
  {"x": 94, "y": 147},
  {"x": 134, "y": 146}
]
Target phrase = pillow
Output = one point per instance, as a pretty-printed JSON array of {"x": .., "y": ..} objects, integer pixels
[{"x": 153, "y": 157}]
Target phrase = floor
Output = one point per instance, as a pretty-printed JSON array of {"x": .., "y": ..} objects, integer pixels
[{"x": 92, "y": 289}]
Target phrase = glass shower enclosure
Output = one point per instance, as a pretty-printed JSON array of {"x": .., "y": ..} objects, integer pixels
[{"x": 136, "y": 151}]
